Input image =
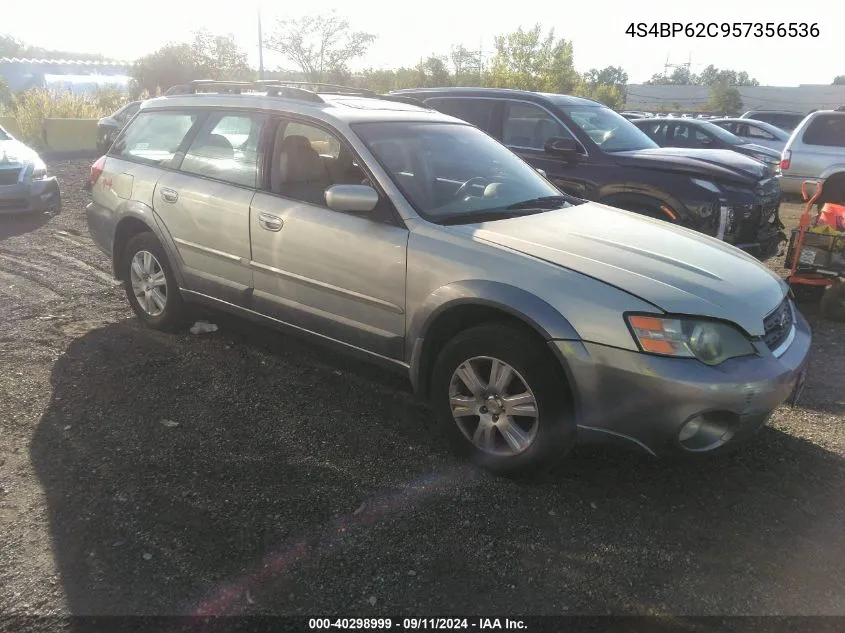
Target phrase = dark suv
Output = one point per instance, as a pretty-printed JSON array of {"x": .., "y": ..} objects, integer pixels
[{"x": 588, "y": 150}]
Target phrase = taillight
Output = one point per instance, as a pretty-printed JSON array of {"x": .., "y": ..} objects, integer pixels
[
  {"x": 96, "y": 170},
  {"x": 785, "y": 158}
]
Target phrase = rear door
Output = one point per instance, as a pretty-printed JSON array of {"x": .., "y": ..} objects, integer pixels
[{"x": 204, "y": 204}]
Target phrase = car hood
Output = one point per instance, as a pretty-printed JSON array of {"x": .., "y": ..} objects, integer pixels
[
  {"x": 720, "y": 164},
  {"x": 14, "y": 153},
  {"x": 678, "y": 270}
]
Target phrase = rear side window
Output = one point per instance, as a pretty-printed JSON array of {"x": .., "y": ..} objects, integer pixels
[
  {"x": 758, "y": 133},
  {"x": 226, "y": 148},
  {"x": 154, "y": 137},
  {"x": 477, "y": 112},
  {"x": 827, "y": 130}
]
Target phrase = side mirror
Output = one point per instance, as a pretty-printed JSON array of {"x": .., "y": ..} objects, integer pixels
[
  {"x": 542, "y": 172},
  {"x": 351, "y": 198},
  {"x": 563, "y": 147}
]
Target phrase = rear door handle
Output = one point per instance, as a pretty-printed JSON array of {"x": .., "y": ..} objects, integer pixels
[
  {"x": 270, "y": 222},
  {"x": 169, "y": 195}
]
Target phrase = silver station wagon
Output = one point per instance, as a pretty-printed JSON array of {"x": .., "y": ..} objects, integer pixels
[{"x": 528, "y": 319}]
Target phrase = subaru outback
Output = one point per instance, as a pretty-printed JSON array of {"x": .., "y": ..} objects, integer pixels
[{"x": 528, "y": 318}]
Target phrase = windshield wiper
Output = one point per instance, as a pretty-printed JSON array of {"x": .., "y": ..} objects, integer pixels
[
  {"x": 544, "y": 202},
  {"x": 490, "y": 215}
]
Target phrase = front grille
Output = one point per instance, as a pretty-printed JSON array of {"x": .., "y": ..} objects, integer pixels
[
  {"x": 778, "y": 324},
  {"x": 9, "y": 176}
]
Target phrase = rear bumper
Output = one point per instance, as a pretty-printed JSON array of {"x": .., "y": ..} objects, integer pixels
[
  {"x": 30, "y": 197},
  {"x": 647, "y": 400}
]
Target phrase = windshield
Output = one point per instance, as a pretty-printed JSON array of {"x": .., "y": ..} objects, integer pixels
[
  {"x": 609, "y": 130},
  {"x": 449, "y": 171},
  {"x": 3, "y": 135}
]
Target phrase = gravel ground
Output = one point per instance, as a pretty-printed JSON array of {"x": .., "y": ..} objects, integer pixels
[{"x": 247, "y": 472}]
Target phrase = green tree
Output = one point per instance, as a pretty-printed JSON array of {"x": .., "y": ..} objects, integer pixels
[
  {"x": 320, "y": 45},
  {"x": 725, "y": 99},
  {"x": 681, "y": 76},
  {"x": 532, "y": 61},
  {"x": 610, "y": 76},
  {"x": 380, "y": 81},
  {"x": 468, "y": 66},
  {"x": 711, "y": 76},
  {"x": 169, "y": 66},
  {"x": 219, "y": 57},
  {"x": 839, "y": 80},
  {"x": 5, "y": 93},
  {"x": 434, "y": 72}
]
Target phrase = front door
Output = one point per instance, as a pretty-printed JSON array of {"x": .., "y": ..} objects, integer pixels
[
  {"x": 336, "y": 274},
  {"x": 205, "y": 205},
  {"x": 525, "y": 129}
]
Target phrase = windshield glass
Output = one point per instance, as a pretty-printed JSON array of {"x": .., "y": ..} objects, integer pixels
[
  {"x": 721, "y": 133},
  {"x": 448, "y": 170},
  {"x": 609, "y": 130},
  {"x": 3, "y": 135}
]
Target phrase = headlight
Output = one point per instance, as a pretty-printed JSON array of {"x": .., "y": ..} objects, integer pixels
[
  {"x": 706, "y": 184},
  {"x": 39, "y": 169},
  {"x": 711, "y": 342}
]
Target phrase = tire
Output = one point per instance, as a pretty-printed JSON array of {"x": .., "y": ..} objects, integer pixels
[
  {"x": 550, "y": 433},
  {"x": 833, "y": 302},
  {"x": 173, "y": 313}
]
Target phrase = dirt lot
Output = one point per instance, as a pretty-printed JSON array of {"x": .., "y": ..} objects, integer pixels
[{"x": 244, "y": 471}]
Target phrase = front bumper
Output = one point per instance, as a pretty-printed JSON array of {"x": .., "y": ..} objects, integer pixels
[
  {"x": 30, "y": 197},
  {"x": 648, "y": 399}
]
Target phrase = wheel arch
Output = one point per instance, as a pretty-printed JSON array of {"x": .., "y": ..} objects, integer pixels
[
  {"x": 631, "y": 201},
  {"x": 134, "y": 219},
  {"x": 455, "y": 307}
]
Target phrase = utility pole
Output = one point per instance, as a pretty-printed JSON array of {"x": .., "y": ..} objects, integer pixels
[{"x": 260, "y": 48}]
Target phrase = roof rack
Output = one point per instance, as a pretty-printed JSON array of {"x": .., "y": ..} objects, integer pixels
[{"x": 286, "y": 89}]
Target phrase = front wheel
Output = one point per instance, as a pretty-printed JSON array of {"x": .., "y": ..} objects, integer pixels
[
  {"x": 150, "y": 285},
  {"x": 503, "y": 400}
]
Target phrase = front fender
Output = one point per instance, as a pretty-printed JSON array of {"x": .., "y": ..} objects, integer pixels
[{"x": 548, "y": 322}]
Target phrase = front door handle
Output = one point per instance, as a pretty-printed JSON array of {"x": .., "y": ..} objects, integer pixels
[
  {"x": 169, "y": 195},
  {"x": 270, "y": 222}
]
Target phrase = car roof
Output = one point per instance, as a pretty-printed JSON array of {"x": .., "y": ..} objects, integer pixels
[
  {"x": 557, "y": 99},
  {"x": 346, "y": 108}
]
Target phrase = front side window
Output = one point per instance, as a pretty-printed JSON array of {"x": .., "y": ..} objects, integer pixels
[
  {"x": 609, "y": 130},
  {"x": 226, "y": 148},
  {"x": 530, "y": 126},
  {"x": 154, "y": 137},
  {"x": 307, "y": 160},
  {"x": 454, "y": 173}
]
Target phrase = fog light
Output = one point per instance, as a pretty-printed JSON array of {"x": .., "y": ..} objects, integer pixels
[
  {"x": 689, "y": 429},
  {"x": 706, "y": 431}
]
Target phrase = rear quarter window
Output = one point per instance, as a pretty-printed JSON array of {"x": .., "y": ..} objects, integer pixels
[
  {"x": 477, "y": 112},
  {"x": 827, "y": 130},
  {"x": 154, "y": 137}
]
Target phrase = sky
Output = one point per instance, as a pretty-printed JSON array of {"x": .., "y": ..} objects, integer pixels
[{"x": 409, "y": 31}]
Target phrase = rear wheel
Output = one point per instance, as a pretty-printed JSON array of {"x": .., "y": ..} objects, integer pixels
[
  {"x": 150, "y": 284},
  {"x": 503, "y": 400},
  {"x": 833, "y": 302}
]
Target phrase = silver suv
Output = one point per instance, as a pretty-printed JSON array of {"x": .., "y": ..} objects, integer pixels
[
  {"x": 527, "y": 317},
  {"x": 815, "y": 150}
]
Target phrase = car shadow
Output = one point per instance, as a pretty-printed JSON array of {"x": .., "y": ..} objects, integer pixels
[
  {"x": 248, "y": 472},
  {"x": 19, "y": 224}
]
